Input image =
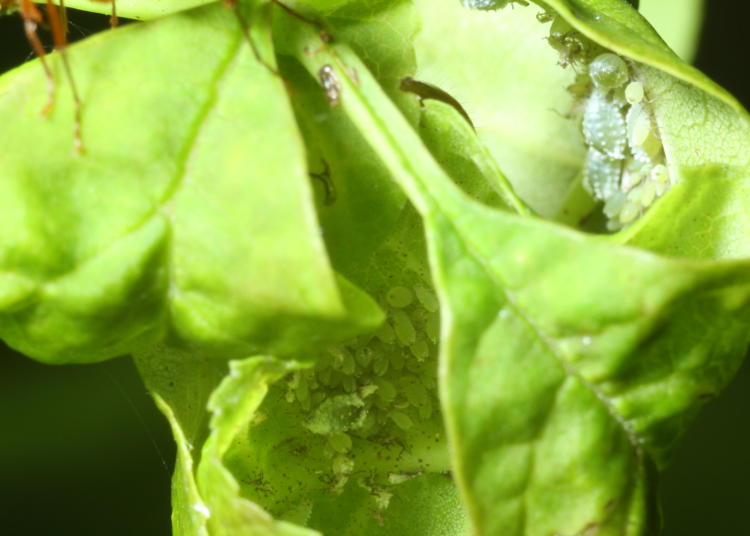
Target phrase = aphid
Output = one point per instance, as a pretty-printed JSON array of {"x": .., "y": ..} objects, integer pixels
[
  {"x": 404, "y": 328},
  {"x": 624, "y": 164},
  {"x": 608, "y": 71},
  {"x": 401, "y": 419},
  {"x": 331, "y": 84},
  {"x": 420, "y": 350},
  {"x": 634, "y": 93},
  {"x": 491, "y": 4},
  {"x": 399, "y": 297},
  {"x": 567, "y": 41},
  {"x": 601, "y": 174},
  {"x": 424, "y": 91},
  {"x": 426, "y": 298},
  {"x": 604, "y": 125}
]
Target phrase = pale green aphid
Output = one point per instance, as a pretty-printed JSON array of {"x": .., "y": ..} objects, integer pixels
[
  {"x": 624, "y": 164},
  {"x": 399, "y": 297},
  {"x": 491, "y": 4},
  {"x": 404, "y": 328},
  {"x": 601, "y": 174},
  {"x": 608, "y": 71},
  {"x": 570, "y": 44},
  {"x": 634, "y": 92}
]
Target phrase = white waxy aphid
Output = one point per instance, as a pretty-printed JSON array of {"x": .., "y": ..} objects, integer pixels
[
  {"x": 428, "y": 300},
  {"x": 401, "y": 419},
  {"x": 604, "y": 125},
  {"x": 601, "y": 175},
  {"x": 491, "y": 4},
  {"x": 399, "y": 297},
  {"x": 608, "y": 71},
  {"x": 634, "y": 93},
  {"x": 404, "y": 328}
]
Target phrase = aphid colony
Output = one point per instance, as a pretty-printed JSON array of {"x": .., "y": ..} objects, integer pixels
[
  {"x": 375, "y": 386},
  {"x": 625, "y": 165}
]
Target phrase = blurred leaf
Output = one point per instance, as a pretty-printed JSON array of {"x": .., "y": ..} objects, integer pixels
[
  {"x": 190, "y": 213},
  {"x": 678, "y": 22},
  {"x": 206, "y": 497}
]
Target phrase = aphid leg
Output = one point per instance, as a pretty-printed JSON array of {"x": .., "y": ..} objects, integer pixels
[
  {"x": 32, "y": 17},
  {"x": 55, "y": 17}
]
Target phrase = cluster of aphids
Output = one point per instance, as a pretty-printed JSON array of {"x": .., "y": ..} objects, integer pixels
[
  {"x": 375, "y": 386},
  {"x": 625, "y": 165}
]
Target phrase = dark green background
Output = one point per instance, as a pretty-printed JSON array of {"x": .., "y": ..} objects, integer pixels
[{"x": 83, "y": 450}]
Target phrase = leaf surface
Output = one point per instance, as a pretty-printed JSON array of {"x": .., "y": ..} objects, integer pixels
[
  {"x": 206, "y": 498},
  {"x": 569, "y": 365},
  {"x": 189, "y": 215}
]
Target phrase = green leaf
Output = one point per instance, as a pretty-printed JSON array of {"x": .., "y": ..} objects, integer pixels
[
  {"x": 137, "y": 9},
  {"x": 707, "y": 144},
  {"x": 206, "y": 497},
  {"x": 518, "y": 111},
  {"x": 617, "y": 26},
  {"x": 568, "y": 364},
  {"x": 677, "y": 21},
  {"x": 190, "y": 212}
]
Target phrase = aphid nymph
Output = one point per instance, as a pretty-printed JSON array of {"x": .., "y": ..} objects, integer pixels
[{"x": 331, "y": 84}]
